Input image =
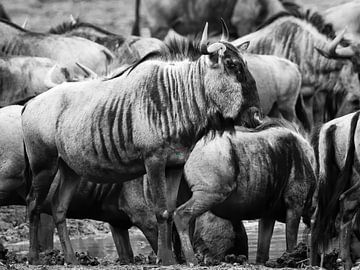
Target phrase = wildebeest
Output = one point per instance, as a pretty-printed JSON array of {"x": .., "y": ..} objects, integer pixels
[
  {"x": 264, "y": 173},
  {"x": 65, "y": 50},
  {"x": 127, "y": 49},
  {"x": 142, "y": 121},
  {"x": 186, "y": 17},
  {"x": 121, "y": 205},
  {"x": 23, "y": 77},
  {"x": 337, "y": 197},
  {"x": 330, "y": 87}
]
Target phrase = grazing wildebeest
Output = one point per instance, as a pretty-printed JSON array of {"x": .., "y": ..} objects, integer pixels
[
  {"x": 337, "y": 197},
  {"x": 127, "y": 49},
  {"x": 65, "y": 50},
  {"x": 142, "y": 121},
  {"x": 330, "y": 87},
  {"x": 23, "y": 77},
  {"x": 121, "y": 205},
  {"x": 263, "y": 173},
  {"x": 186, "y": 17}
]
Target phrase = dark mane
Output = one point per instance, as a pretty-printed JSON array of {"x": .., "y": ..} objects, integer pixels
[
  {"x": 19, "y": 27},
  {"x": 309, "y": 15},
  {"x": 69, "y": 26}
]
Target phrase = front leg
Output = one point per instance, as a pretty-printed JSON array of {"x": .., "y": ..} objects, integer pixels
[
  {"x": 155, "y": 168},
  {"x": 292, "y": 227}
]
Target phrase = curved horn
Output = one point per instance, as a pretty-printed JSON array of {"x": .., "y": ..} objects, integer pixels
[
  {"x": 204, "y": 40},
  {"x": 217, "y": 46},
  {"x": 72, "y": 19},
  {"x": 48, "y": 78},
  {"x": 333, "y": 52},
  {"x": 89, "y": 72},
  {"x": 224, "y": 31},
  {"x": 24, "y": 23}
]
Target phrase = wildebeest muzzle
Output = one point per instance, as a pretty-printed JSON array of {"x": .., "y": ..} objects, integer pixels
[{"x": 251, "y": 117}]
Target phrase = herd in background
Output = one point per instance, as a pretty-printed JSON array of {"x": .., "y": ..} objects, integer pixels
[{"x": 187, "y": 112}]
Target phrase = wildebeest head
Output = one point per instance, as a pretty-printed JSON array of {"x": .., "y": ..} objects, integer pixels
[
  {"x": 228, "y": 82},
  {"x": 348, "y": 101}
]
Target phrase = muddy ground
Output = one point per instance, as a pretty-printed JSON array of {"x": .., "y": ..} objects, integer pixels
[{"x": 116, "y": 16}]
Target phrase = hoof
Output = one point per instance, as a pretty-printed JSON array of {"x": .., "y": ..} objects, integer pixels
[
  {"x": 33, "y": 261},
  {"x": 166, "y": 259}
]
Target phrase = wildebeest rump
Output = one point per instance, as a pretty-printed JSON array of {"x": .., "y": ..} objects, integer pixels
[
  {"x": 142, "y": 121},
  {"x": 67, "y": 51},
  {"x": 127, "y": 49},
  {"x": 278, "y": 81},
  {"x": 266, "y": 173},
  {"x": 337, "y": 197},
  {"x": 121, "y": 205},
  {"x": 330, "y": 87}
]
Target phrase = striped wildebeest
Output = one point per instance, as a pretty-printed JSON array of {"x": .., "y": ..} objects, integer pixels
[
  {"x": 127, "y": 49},
  {"x": 142, "y": 121},
  {"x": 122, "y": 205},
  {"x": 330, "y": 85},
  {"x": 67, "y": 51},
  {"x": 264, "y": 173},
  {"x": 337, "y": 148}
]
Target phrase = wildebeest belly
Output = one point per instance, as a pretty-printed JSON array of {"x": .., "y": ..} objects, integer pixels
[{"x": 253, "y": 198}]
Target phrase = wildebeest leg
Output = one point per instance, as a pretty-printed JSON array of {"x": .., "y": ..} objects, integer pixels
[
  {"x": 46, "y": 232},
  {"x": 345, "y": 236},
  {"x": 199, "y": 203},
  {"x": 155, "y": 169},
  {"x": 241, "y": 239},
  {"x": 266, "y": 228},
  {"x": 151, "y": 234},
  {"x": 68, "y": 183},
  {"x": 122, "y": 244},
  {"x": 292, "y": 227},
  {"x": 39, "y": 189}
]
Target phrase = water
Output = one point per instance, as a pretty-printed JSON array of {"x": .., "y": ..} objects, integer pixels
[{"x": 103, "y": 246}]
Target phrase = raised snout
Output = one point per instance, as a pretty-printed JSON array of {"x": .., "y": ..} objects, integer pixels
[{"x": 251, "y": 117}]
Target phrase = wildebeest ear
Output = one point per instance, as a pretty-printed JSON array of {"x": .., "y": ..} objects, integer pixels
[{"x": 243, "y": 46}]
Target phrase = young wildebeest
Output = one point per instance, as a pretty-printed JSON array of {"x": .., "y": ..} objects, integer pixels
[
  {"x": 142, "y": 121},
  {"x": 330, "y": 87},
  {"x": 338, "y": 151},
  {"x": 121, "y": 205},
  {"x": 127, "y": 49},
  {"x": 65, "y": 50},
  {"x": 263, "y": 173}
]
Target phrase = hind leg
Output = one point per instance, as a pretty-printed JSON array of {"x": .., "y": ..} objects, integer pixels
[
  {"x": 40, "y": 187},
  {"x": 199, "y": 203},
  {"x": 266, "y": 228},
  {"x": 60, "y": 203},
  {"x": 122, "y": 243},
  {"x": 292, "y": 227}
]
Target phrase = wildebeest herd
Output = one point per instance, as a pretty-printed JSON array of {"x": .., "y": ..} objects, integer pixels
[{"x": 260, "y": 123}]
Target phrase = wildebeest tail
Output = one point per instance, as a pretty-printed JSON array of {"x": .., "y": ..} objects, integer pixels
[
  {"x": 301, "y": 113},
  {"x": 331, "y": 185},
  {"x": 136, "y": 27},
  {"x": 27, "y": 172}
]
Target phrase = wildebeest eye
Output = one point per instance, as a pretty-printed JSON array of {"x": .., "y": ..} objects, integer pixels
[{"x": 229, "y": 63}]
